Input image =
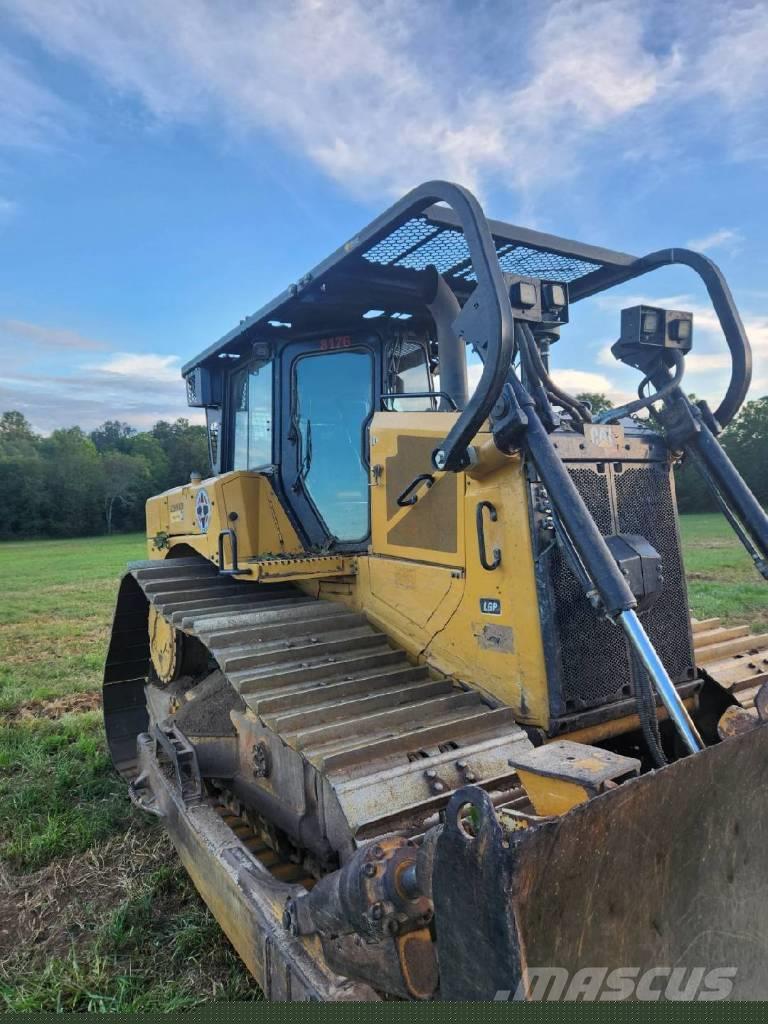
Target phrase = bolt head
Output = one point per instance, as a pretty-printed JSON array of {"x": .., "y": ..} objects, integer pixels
[{"x": 369, "y": 870}]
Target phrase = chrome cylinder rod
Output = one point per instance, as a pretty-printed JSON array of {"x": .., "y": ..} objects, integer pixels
[{"x": 662, "y": 683}]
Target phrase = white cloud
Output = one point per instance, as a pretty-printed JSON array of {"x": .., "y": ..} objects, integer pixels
[
  {"x": 381, "y": 96},
  {"x": 138, "y": 388},
  {"x": 577, "y": 381},
  {"x": 142, "y": 366},
  {"x": 30, "y": 114},
  {"x": 12, "y": 331},
  {"x": 727, "y": 237},
  {"x": 474, "y": 372}
]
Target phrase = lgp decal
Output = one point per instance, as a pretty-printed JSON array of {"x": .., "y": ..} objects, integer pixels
[
  {"x": 490, "y": 606},
  {"x": 203, "y": 510}
]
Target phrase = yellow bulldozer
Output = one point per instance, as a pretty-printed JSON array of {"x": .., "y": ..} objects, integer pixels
[{"x": 410, "y": 678}]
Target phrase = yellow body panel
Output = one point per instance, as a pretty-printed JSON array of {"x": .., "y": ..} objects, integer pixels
[
  {"x": 428, "y": 597},
  {"x": 421, "y": 580},
  {"x": 262, "y": 527}
]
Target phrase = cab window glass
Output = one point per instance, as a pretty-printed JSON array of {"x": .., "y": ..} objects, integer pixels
[
  {"x": 408, "y": 373},
  {"x": 252, "y": 418},
  {"x": 333, "y": 398}
]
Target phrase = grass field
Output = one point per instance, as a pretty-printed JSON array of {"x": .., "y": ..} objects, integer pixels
[{"x": 95, "y": 910}]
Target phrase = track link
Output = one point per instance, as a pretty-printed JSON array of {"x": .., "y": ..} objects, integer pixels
[
  {"x": 321, "y": 677},
  {"x": 733, "y": 657}
]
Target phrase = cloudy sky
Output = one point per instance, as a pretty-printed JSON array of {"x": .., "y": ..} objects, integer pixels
[{"x": 168, "y": 165}]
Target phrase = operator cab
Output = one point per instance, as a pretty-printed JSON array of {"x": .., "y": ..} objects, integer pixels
[{"x": 299, "y": 410}]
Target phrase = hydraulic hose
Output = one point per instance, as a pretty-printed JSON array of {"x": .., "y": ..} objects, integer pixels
[
  {"x": 646, "y": 712},
  {"x": 613, "y": 415},
  {"x": 537, "y": 367}
]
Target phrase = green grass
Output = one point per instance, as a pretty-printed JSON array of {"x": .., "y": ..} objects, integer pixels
[
  {"x": 58, "y": 795},
  {"x": 107, "y": 919},
  {"x": 722, "y": 581},
  {"x": 158, "y": 949},
  {"x": 57, "y": 601}
]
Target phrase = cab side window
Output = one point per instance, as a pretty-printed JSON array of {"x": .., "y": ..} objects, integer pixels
[
  {"x": 408, "y": 373},
  {"x": 251, "y": 402}
]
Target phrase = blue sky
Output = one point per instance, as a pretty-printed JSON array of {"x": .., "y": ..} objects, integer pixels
[{"x": 167, "y": 166}]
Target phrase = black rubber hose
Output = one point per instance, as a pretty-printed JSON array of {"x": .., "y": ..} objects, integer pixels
[
  {"x": 537, "y": 389},
  {"x": 631, "y": 408},
  {"x": 540, "y": 371},
  {"x": 645, "y": 702},
  {"x": 594, "y": 553}
]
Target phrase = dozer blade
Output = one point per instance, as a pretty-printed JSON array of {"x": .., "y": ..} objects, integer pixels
[{"x": 668, "y": 871}]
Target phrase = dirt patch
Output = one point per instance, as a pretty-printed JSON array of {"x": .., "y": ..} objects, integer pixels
[
  {"x": 53, "y": 909},
  {"x": 56, "y": 706}
]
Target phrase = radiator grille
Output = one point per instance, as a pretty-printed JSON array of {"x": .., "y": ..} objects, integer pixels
[
  {"x": 646, "y": 506},
  {"x": 594, "y": 657},
  {"x": 594, "y": 667}
]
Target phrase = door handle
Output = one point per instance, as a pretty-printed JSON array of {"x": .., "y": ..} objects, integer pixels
[{"x": 481, "y": 507}]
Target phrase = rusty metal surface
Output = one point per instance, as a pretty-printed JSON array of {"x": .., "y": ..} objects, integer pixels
[
  {"x": 668, "y": 869},
  {"x": 247, "y": 901},
  {"x": 735, "y": 721}
]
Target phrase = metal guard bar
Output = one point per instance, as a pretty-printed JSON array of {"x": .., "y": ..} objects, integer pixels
[
  {"x": 722, "y": 301},
  {"x": 486, "y": 319}
]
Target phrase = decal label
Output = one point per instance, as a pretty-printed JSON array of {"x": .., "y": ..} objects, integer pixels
[
  {"x": 177, "y": 512},
  {"x": 203, "y": 510},
  {"x": 490, "y": 606},
  {"x": 491, "y": 637},
  {"x": 333, "y": 344}
]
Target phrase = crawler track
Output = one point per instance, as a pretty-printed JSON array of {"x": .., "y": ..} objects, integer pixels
[
  {"x": 383, "y": 731},
  {"x": 732, "y": 656}
]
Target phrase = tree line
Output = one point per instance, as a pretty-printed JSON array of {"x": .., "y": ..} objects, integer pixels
[{"x": 73, "y": 483}]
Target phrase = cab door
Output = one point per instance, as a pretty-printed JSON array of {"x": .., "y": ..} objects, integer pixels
[{"x": 328, "y": 390}]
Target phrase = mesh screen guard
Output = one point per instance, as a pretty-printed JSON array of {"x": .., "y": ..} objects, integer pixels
[{"x": 594, "y": 666}]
